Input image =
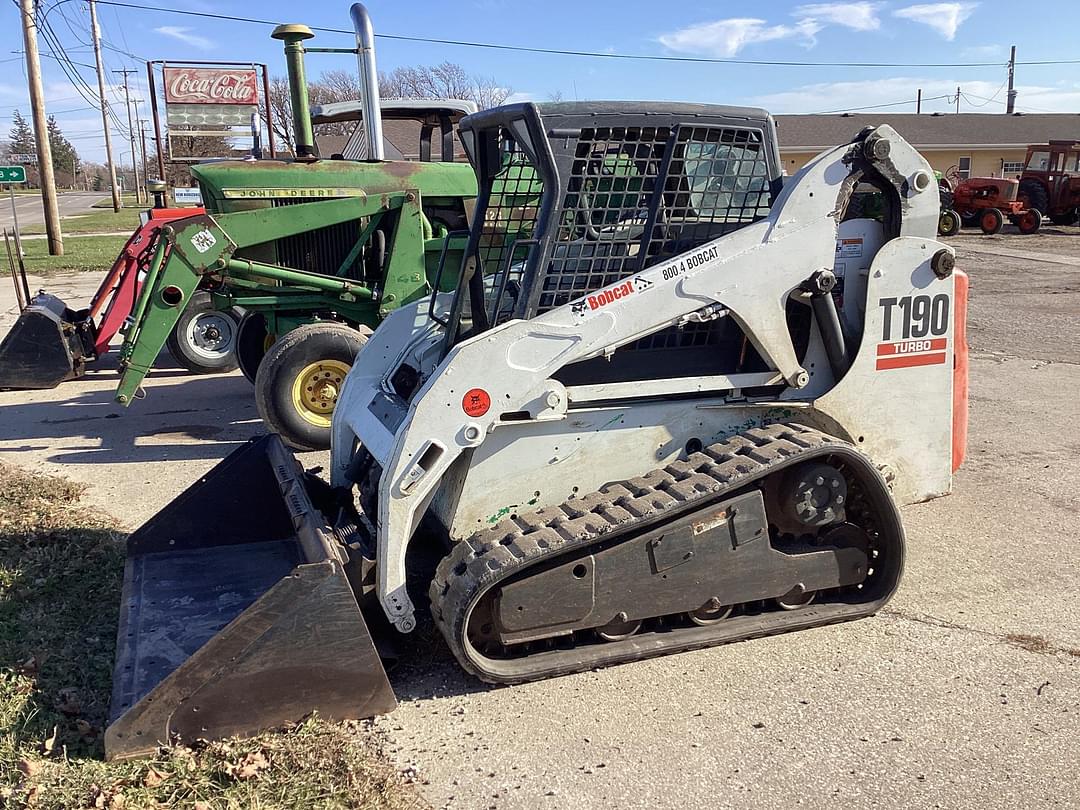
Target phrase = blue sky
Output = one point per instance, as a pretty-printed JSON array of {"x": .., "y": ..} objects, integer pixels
[{"x": 885, "y": 31}]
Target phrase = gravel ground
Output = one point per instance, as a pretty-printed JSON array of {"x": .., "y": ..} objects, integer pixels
[{"x": 964, "y": 693}]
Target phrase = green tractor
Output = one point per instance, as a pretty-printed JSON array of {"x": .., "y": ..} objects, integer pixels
[{"x": 315, "y": 251}]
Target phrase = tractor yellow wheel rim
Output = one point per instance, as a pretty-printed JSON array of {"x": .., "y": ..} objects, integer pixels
[{"x": 315, "y": 391}]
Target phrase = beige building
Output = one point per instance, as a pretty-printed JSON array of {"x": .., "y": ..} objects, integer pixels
[{"x": 971, "y": 144}]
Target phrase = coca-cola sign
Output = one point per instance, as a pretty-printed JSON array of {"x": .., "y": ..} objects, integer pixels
[{"x": 210, "y": 86}]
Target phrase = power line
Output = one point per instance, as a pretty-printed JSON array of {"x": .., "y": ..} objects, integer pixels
[
  {"x": 569, "y": 52},
  {"x": 879, "y": 106}
]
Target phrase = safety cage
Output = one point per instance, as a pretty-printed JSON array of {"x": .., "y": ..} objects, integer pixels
[{"x": 574, "y": 197}]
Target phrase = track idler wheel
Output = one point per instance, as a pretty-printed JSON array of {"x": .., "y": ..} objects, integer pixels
[
  {"x": 814, "y": 494},
  {"x": 710, "y": 613},
  {"x": 618, "y": 628}
]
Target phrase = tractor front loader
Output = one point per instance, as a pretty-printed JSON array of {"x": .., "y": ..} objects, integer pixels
[
  {"x": 670, "y": 404},
  {"x": 50, "y": 342},
  {"x": 314, "y": 251}
]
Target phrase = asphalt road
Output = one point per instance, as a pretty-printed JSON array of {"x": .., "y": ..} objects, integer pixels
[
  {"x": 963, "y": 693},
  {"x": 30, "y": 212}
]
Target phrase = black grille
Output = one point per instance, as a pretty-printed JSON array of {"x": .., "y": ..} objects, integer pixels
[
  {"x": 321, "y": 251},
  {"x": 509, "y": 221},
  {"x": 618, "y": 217}
]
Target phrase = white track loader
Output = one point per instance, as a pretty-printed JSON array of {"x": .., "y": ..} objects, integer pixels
[{"x": 675, "y": 401}]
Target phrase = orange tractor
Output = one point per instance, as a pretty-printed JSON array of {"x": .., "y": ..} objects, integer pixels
[{"x": 989, "y": 201}]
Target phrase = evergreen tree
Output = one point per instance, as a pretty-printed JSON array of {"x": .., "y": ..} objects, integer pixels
[
  {"x": 64, "y": 156},
  {"x": 21, "y": 135}
]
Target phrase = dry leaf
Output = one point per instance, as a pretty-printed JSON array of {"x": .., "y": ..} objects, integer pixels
[
  {"x": 32, "y": 795},
  {"x": 249, "y": 766},
  {"x": 50, "y": 742},
  {"x": 153, "y": 777},
  {"x": 67, "y": 701},
  {"x": 87, "y": 731},
  {"x": 202, "y": 806},
  {"x": 29, "y": 767},
  {"x": 117, "y": 802}
]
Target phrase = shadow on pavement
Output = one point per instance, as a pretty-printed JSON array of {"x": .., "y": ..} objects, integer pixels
[{"x": 188, "y": 417}]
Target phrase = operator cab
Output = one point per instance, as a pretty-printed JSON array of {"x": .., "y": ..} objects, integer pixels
[{"x": 410, "y": 128}]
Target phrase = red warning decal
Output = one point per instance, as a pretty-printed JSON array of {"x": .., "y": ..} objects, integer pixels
[
  {"x": 908, "y": 353},
  {"x": 476, "y": 402}
]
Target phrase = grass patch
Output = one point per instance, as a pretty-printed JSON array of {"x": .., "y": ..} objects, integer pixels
[
  {"x": 97, "y": 221},
  {"x": 93, "y": 253},
  {"x": 61, "y": 570}
]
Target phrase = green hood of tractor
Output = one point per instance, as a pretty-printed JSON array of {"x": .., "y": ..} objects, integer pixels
[{"x": 231, "y": 185}]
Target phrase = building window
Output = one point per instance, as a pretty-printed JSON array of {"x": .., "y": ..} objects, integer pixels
[
  {"x": 963, "y": 168},
  {"x": 1011, "y": 167}
]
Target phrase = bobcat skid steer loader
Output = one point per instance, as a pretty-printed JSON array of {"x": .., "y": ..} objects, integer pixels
[{"x": 670, "y": 405}]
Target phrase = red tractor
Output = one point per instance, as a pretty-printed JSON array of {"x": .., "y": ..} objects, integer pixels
[
  {"x": 1051, "y": 180},
  {"x": 988, "y": 201}
]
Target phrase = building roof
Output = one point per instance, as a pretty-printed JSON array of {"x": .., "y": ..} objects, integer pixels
[{"x": 930, "y": 130}]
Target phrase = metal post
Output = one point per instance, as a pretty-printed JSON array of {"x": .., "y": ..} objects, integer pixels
[
  {"x": 293, "y": 36},
  {"x": 95, "y": 35},
  {"x": 1010, "y": 97},
  {"x": 131, "y": 133},
  {"x": 15, "y": 221},
  {"x": 157, "y": 121},
  {"x": 269, "y": 113},
  {"x": 145, "y": 168},
  {"x": 369, "y": 81},
  {"x": 41, "y": 130},
  {"x": 958, "y": 99},
  {"x": 918, "y": 101}
]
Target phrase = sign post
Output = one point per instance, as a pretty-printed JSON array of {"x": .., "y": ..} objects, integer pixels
[{"x": 9, "y": 176}]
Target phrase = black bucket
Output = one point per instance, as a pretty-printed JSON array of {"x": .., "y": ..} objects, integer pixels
[
  {"x": 48, "y": 344},
  {"x": 237, "y": 614}
]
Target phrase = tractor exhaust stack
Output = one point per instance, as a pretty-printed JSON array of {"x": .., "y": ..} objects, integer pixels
[
  {"x": 369, "y": 81},
  {"x": 293, "y": 35}
]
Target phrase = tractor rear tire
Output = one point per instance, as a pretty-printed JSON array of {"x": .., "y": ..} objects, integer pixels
[
  {"x": 252, "y": 343},
  {"x": 948, "y": 223},
  {"x": 991, "y": 221},
  {"x": 1030, "y": 221},
  {"x": 1033, "y": 194},
  {"x": 1064, "y": 218},
  {"x": 204, "y": 338},
  {"x": 299, "y": 379}
]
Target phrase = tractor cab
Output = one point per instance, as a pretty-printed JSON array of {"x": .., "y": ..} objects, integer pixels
[
  {"x": 1051, "y": 180},
  {"x": 410, "y": 127}
]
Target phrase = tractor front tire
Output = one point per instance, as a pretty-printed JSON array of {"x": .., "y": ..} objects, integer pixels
[
  {"x": 204, "y": 339},
  {"x": 948, "y": 223},
  {"x": 252, "y": 343},
  {"x": 991, "y": 221},
  {"x": 1030, "y": 221},
  {"x": 1033, "y": 194},
  {"x": 299, "y": 379}
]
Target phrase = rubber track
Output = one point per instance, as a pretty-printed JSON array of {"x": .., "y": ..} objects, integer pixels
[{"x": 496, "y": 553}]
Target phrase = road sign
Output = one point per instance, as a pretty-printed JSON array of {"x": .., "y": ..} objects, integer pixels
[
  {"x": 187, "y": 196},
  {"x": 12, "y": 174},
  {"x": 25, "y": 158}
]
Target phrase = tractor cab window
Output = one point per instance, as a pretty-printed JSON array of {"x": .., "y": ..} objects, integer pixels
[{"x": 1038, "y": 161}]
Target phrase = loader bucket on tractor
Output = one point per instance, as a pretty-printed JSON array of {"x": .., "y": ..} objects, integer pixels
[
  {"x": 48, "y": 344},
  {"x": 237, "y": 614}
]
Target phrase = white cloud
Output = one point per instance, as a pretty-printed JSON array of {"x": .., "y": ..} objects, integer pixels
[
  {"x": 811, "y": 98},
  {"x": 726, "y": 38},
  {"x": 184, "y": 35},
  {"x": 945, "y": 18},
  {"x": 858, "y": 16},
  {"x": 983, "y": 52}
]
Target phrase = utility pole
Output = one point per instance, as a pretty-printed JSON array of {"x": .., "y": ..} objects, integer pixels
[
  {"x": 958, "y": 99},
  {"x": 131, "y": 132},
  {"x": 1010, "y": 97},
  {"x": 918, "y": 101},
  {"x": 142, "y": 139},
  {"x": 41, "y": 130},
  {"x": 95, "y": 35}
]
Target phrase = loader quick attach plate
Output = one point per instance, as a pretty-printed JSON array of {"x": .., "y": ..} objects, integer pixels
[
  {"x": 48, "y": 344},
  {"x": 237, "y": 614}
]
